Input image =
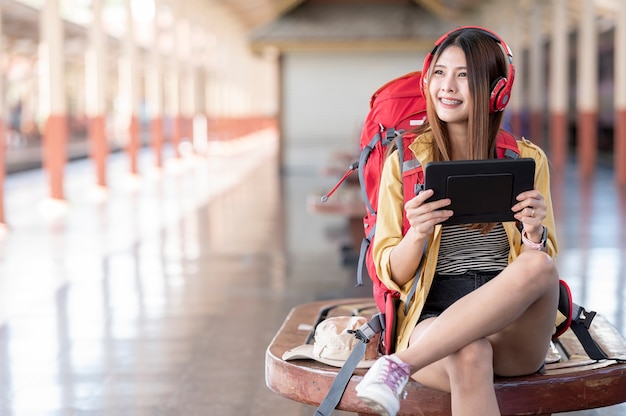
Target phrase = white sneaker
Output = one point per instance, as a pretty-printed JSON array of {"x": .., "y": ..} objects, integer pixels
[{"x": 383, "y": 385}]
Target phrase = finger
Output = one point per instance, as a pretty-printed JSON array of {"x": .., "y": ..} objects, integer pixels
[
  {"x": 533, "y": 193},
  {"x": 419, "y": 199},
  {"x": 415, "y": 204},
  {"x": 532, "y": 216},
  {"x": 424, "y": 223},
  {"x": 429, "y": 211},
  {"x": 527, "y": 203}
]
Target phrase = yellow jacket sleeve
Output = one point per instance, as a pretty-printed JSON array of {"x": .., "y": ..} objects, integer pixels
[{"x": 389, "y": 224}]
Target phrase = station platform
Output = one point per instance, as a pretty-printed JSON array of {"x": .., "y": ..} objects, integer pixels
[{"x": 159, "y": 295}]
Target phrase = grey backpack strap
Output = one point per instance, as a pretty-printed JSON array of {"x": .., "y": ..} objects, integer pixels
[{"x": 409, "y": 298}]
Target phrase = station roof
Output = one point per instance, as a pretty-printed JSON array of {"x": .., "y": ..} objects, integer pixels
[
  {"x": 255, "y": 13},
  {"x": 351, "y": 26}
]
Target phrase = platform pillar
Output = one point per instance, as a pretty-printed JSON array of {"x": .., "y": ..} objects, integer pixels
[
  {"x": 514, "y": 40},
  {"x": 537, "y": 79},
  {"x": 129, "y": 83},
  {"x": 52, "y": 97},
  {"x": 154, "y": 92},
  {"x": 558, "y": 136},
  {"x": 95, "y": 100},
  {"x": 587, "y": 90}
]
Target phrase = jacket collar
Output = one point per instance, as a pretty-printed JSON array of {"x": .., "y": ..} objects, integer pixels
[{"x": 422, "y": 147}]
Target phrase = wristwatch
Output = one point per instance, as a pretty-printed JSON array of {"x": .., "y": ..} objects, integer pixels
[{"x": 535, "y": 246}]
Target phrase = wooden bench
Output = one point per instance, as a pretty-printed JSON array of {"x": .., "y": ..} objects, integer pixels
[{"x": 570, "y": 381}]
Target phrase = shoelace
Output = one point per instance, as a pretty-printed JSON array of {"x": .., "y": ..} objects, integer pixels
[{"x": 395, "y": 374}]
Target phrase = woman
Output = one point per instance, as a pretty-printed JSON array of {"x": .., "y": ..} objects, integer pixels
[{"x": 487, "y": 298}]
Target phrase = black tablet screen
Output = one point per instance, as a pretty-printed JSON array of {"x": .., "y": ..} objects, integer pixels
[{"x": 478, "y": 200}]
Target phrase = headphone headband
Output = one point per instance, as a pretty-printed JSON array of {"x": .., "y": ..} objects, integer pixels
[{"x": 500, "y": 88}]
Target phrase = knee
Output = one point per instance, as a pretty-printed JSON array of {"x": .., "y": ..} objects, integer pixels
[
  {"x": 539, "y": 267},
  {"x": 471, "y": 363}
]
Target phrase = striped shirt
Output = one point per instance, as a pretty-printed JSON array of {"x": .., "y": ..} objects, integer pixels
[{"x": 463, "y": 249}]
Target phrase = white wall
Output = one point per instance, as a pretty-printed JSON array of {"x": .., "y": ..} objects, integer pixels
[{"x": 326, "y": 97}]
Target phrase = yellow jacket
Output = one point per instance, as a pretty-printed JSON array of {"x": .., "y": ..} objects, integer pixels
[{"x": 389, "y": 229}]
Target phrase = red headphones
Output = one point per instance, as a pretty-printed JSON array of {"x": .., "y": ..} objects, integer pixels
[{"x": 500, "y": 87}]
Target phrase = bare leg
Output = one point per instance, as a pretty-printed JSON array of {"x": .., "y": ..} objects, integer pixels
[
  {"x": 522, "y": 301},
  {"x": 467, "y": 374}
]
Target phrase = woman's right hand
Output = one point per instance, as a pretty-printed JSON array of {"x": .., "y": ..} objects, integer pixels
[{"x": 423, "y": 216}]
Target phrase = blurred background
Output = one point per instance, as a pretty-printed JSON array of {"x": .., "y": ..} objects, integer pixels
[{"x": 162, "y": 162}]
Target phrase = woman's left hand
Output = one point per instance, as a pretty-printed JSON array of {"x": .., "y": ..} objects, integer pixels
[{"x": 531, "y": 211}]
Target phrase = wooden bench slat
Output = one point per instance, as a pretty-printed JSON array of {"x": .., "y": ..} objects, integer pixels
[
  {"x": 573, "y": 348},
  {"x": 609, "y": 338}
]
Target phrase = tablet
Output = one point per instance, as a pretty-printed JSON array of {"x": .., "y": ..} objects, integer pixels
[{"x": 480, "y": 190}]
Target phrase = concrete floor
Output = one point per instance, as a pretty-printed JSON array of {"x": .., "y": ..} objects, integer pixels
[{"x": 160, "y": 295}]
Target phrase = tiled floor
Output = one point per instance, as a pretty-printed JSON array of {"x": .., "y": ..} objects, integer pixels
[{"x": 160, "y": 296}]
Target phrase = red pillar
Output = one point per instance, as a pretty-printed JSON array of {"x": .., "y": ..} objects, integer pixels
[
  {"x": 177, "y": 134},
  {"x": 537, "y": 134},
  {"x": 156, "y": 129},
  {"x": 587, "y": 90},
  {"x": 55, "y": 152},
  {"x": 587, "y": 142},
  {"x": 99, "y": 148},
  {"x": 558, "y": 139},
  {"x": 133, "y": 145},
  {"x": 52, "y": 96},
  {"x": 558, "y": 85}
]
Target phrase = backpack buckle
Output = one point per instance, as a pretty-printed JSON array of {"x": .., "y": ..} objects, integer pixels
[
  {"x": 367, "y": 331},
  {"x": 390, "y": 135}
]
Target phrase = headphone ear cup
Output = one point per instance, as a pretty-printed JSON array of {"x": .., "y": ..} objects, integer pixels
[{"x": 500, "y": 93}]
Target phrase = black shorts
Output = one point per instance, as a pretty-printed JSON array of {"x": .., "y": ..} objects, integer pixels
[{"x": 448, "y": 288}]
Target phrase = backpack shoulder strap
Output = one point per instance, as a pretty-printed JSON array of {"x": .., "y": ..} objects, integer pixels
[
  {"x": 506, "y": 145},
  {"x": 412, "y": 173},
  {"x": 412, "y": 183}
]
